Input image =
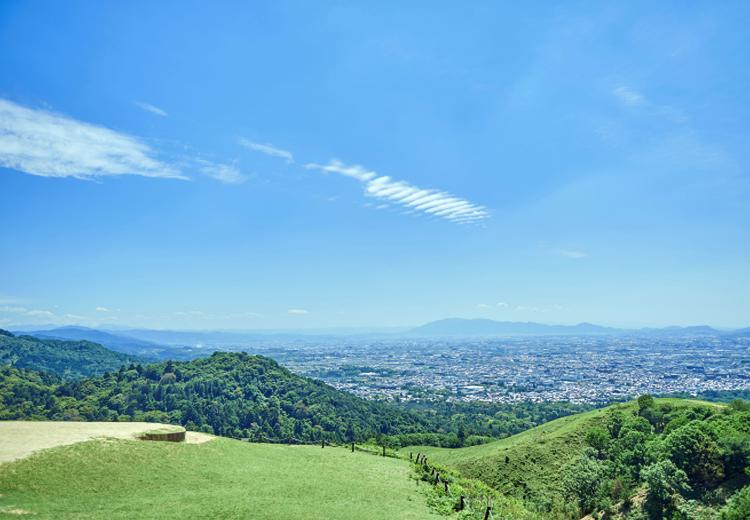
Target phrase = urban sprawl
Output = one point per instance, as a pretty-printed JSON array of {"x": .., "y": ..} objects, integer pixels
[{"x": 591, "y": 369}]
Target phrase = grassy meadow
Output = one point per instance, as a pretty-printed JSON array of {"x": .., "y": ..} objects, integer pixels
[{"x": 221, "y": 479}]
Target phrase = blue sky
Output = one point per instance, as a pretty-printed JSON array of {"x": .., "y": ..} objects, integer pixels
[{"x": 323, "y": 164}]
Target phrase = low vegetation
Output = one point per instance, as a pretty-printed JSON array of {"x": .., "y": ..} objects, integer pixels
[{"x": 222, "y": 479}]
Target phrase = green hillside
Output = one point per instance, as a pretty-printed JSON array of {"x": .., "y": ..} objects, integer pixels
[
  {"x": 535, "y": 456},
  {"x": 243, "y": 396},
  {"x": 67, "y": 359},
  {"x": 230, "y": 394},
  {"x": 611, "y": 446},
  {"x": 221, "y": 479}
]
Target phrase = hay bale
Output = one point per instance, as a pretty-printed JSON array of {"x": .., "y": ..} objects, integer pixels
[{"x": 172, "y": 434}]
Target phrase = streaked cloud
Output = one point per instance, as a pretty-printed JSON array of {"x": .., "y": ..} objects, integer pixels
[
  {"x": 148, "y": 107},
  {"x": 416, "y": 200},
  {"x": 297, "y": 312},
  {"x": 43, "y": 143},
  {"x": 267, "y": 149},
  {"x": 102, "y": 309},
  {"x": 572, "y": 253},
  {"x": 224, "y": 173}
]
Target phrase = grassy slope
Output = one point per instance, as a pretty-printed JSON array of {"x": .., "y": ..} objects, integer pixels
[
  {"x": 222, "y": 479},
  {"x": 536, "y": 457}
]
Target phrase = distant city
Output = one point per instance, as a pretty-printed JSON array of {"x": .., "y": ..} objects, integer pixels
[
  {"x": 581, "y": 364},
  {"x": 587, "y": 369}
]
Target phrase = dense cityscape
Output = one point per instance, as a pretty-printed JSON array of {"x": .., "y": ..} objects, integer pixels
[{"x": 590, "y": 369}]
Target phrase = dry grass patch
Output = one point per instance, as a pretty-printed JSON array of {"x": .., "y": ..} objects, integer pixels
[{"x": 19, "y": 439}]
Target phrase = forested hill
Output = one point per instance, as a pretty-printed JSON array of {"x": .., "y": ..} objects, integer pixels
[
  {"x": 647, "y": 460},
  {"x": 231, "y": 394},
  {"x": 67, "y": 359}
]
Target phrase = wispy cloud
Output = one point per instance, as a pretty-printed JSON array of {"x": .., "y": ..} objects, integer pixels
[
  {"x": 572, "y": 253},
  {"x": 297, "y": 312},
  {"x": 267, "y": 149},
  {"x": 36, "y": 313},
  {"x": 190, "y": 313},
  {"x": 426, "y": 201},
  {"x": 225, "y": 173},
  {"x": 486, "y": 306},
  {"x": 203, "y": 315},
  {"x": 39, "y": 142},
  {"x": 102, "y": 309},
  {"x": 148, "y": 107},
  {"x": 9, "y": 300},
  {"x": 40, "y": 313},
  {"x": 629, "y": 96},
  {"x": 635, "y": 99}
]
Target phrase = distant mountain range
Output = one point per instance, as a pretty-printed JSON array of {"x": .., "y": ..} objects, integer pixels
[
  {"x": 188, "y": 344},
  {"x": 151, "y": 342},
  {"x": 117, "y": 342},
  {"x": 460, "y": 327}
]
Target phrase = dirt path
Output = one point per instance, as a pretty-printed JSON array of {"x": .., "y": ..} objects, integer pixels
[{"x": 20, "y": 439}]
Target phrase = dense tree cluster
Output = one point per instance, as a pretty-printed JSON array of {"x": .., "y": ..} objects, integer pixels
[
  {"x": 231, "y": 394},
  {"x": 457, "y": 424},
  {"x": 235, "y": 395},
  {"x": 244, "y": 396},
  {"x": 688, "y": 459},
  {"x": 68, "y": 359}
]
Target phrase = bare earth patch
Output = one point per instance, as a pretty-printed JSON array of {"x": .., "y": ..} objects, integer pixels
[
  {"x": 15, "y": 511},
  {"x": 20, "y": 439},
  {"x": 198, "y": 437}
]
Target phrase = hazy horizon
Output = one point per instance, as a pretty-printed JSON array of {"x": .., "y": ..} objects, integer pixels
[{"x": 392, "y": 329}]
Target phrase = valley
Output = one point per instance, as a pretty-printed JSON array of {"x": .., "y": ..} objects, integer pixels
[{"x": 520, "y": 461}]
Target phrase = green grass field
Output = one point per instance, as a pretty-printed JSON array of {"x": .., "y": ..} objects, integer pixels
[
  {"x": 221, "y": 479},
  {"x": 529, "y": 465}
]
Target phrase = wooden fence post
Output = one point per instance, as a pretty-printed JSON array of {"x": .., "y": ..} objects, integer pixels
[
  {"x": 323, "y": 443},
  {"x": 461, "y": 503},
  {"x": 384, "y": 450},
  {"x": 352, "y": 446},
  {"x": 487, "y": 513},
  {"x": 445, "y": 483}
]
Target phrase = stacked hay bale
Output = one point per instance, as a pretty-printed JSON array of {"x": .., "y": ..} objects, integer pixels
[{"x": 168, "y": 434}]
